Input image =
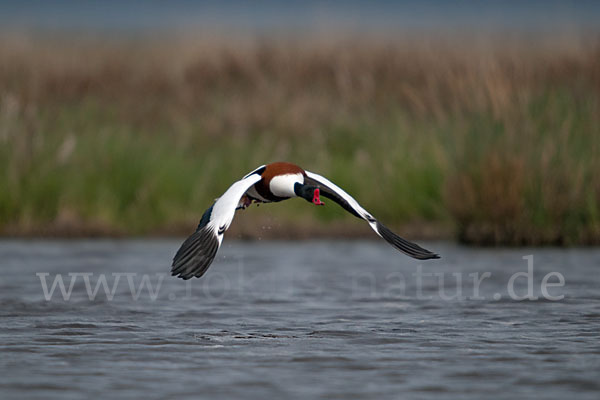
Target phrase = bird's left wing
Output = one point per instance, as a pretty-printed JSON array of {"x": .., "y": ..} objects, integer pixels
[
  {"x": 199, "y": 250},
  {"x": 332, "y": 191}
]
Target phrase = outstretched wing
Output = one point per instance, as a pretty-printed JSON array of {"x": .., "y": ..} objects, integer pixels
[
  {"x": 199, "y": 250},
  {"x": 332, "y": 191}
]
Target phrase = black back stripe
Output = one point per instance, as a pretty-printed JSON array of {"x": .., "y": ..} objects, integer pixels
[
  {"x": 329, "y": 193},
  {"x": 205, "y": 218},
  {"x": 258, "y": 171}
]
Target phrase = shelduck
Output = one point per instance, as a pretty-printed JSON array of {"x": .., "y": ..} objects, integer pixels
[{"x": 266, "y": 184}]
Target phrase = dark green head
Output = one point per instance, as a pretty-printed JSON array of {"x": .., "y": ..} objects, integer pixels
[{"x": 309, "y": 193}]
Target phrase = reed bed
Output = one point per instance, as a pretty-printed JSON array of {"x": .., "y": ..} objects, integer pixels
[{"x": 496, "y": 141}]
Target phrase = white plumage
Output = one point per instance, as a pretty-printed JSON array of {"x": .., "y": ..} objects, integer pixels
[{"x": 272, "y": 183}]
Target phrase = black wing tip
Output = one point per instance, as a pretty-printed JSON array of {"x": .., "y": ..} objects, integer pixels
[
  {"x": 431, "y": 256},
  {"x": 195, "y": 254},
  {"x": 409, "y": 248},
  {"x": 181, "y": 274}
]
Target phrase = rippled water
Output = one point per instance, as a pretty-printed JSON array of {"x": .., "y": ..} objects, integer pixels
[{"x": 297, "y": 320}]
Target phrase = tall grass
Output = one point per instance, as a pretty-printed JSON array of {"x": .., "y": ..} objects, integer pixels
[{"x": 497, "y": 141}]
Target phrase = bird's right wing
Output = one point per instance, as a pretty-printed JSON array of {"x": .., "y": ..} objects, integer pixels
[
  {"x": 332, "y": 191},
  {"x": 199, "y": 250}
]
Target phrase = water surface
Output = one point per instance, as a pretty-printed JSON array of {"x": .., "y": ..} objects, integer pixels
[{"x": 297, "y": 320}]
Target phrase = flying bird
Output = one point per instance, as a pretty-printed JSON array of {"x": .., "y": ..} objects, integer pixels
[{"x": 266, "y": 184}]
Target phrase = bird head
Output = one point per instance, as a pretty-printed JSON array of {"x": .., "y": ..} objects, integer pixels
[{"x": 309, "y": 193}]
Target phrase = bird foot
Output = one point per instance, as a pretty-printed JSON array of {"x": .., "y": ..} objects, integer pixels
[{"x": 245, "y": 201}]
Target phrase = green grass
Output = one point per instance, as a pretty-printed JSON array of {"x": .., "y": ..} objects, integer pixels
[{"x": 122, "y": 145}]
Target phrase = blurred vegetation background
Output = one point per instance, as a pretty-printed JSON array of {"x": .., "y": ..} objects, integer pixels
[{"x": 491, "y": 141}]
